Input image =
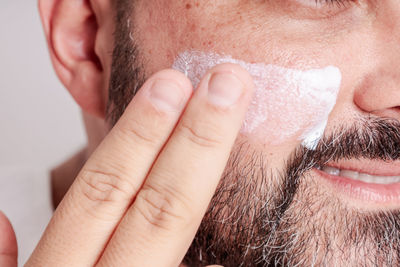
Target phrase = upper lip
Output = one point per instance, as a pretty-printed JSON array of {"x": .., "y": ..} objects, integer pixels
[{"x": 372, "y": 167}]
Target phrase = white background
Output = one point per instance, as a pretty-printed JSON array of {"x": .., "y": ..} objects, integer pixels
[{"x": 40, "y": 125}]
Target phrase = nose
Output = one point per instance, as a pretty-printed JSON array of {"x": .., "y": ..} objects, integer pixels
[
  {"x": 379, "y": 91},
  {"x": 379, "y": 94}
]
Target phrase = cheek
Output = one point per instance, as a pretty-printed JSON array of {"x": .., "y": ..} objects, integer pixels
[
  {"x": 280, "y": 112},
  {"x": 253, "y": 31},
  {"x": 288, "y": 104},
  {"x": 291, "y": 104},
  {"x": 166, "y": 28}
]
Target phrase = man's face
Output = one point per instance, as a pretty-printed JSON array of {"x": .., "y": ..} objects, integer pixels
[{"x": 285, "y": 204}]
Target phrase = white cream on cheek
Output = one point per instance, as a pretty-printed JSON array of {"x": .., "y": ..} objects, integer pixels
[{"x": 288, "y": 104}]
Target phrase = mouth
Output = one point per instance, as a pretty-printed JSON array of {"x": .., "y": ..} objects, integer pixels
[{"x": 364, "y": 181}]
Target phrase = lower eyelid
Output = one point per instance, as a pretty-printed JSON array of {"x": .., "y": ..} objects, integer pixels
[
  {"x": 309, "y": 3},
  {"x": 329, "y": 3},
  {"x": 315, "y": 10}
]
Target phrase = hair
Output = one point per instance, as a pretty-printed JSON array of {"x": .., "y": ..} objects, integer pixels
[{"x": 126, "y": 72}]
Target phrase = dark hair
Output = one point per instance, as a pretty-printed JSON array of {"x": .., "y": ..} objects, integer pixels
[{"x": 126, "y": 75}]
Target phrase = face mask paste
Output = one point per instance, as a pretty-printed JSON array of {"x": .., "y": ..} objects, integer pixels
[{"x": 288, "y": 104}]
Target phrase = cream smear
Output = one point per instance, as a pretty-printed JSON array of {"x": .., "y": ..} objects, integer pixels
[{"x": 288, "y": 103}]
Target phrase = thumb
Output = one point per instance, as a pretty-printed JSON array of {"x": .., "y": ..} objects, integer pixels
[{"x": 8, "y": 243}]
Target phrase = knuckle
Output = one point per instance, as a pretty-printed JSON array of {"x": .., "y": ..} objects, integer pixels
[
  {"x": 102, "y": 187},
  {"x": 141, "y": 131},
  {"x": 162, "y": 209},
  {"x": 201, "y": 134}
]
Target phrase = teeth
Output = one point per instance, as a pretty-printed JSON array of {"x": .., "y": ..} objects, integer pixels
[
  {"x": 331, "y": 171},
  {"x": 350, "y": 174},
  {"x": 366, "y": 178}
]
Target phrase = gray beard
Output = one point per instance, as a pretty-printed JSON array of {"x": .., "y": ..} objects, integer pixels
[{"x": 261, "y": 217}]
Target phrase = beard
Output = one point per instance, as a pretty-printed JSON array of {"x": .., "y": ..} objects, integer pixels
[
  {"x": 261, "y": 216},
  {"x": 265, "y": 217}
]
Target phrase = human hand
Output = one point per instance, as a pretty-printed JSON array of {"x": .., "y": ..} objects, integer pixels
[
  {"x": 141, "y": 196},
  {"x": 8, "y": 243}
]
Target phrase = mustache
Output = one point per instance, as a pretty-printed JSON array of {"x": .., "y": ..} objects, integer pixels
[
  {"x": 374, "y": 139},
  {"x": 368, "y": 138}
]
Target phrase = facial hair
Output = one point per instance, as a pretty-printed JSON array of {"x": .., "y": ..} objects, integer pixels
[
  {"x": 261, "y": 216},
  {"x": 264, "y": 217}
]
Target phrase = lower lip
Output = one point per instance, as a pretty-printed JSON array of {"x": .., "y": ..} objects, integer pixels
[{"x": 366, "y": 192}]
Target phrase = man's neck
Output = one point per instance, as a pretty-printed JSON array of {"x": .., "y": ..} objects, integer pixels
[{"x": 64, "y": 175}]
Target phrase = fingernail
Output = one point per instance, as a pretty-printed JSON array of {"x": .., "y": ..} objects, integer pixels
[
  {"x": 224, "y": 89},
  {"x": 167, "y": 95}
]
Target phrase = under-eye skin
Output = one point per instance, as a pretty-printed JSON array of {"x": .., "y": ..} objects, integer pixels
[{"x": 318, "y": 9}]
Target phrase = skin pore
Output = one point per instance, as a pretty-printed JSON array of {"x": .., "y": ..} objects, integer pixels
[{"x": 271, "y": 207}]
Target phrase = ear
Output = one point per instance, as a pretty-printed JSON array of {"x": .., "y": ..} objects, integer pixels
[{"x": 71, "y": 28}]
